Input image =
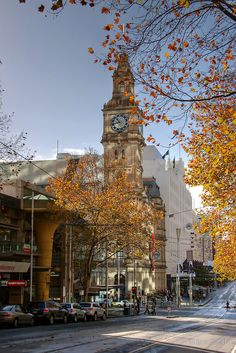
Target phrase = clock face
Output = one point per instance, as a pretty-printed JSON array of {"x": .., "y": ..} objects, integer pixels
[{"x": 119, "y": 122}]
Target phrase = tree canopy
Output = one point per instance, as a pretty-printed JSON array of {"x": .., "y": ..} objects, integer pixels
[
  {"x": 107, "y": 217},
  {"x": 211, "y": 149}
]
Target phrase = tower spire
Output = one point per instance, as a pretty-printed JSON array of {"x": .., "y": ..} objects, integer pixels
[{"x": 123, "y": 83}]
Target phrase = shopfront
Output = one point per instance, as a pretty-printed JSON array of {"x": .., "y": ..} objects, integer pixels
[{"x": 13, "y": 282}]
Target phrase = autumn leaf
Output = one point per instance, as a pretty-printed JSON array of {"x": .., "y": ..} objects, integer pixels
[
  {"x": 105, "y": 10},
  {"x": 90, "y": 50},
  {"x": 41, "y": 8},
  {"x": 184, "y": 3},
  {"x": 131, "y": 98},
  {"x": 186, "y": 44},
  {"x": 57, "y": 5},
  {"x": 73, "y": 2},
  {"x": 167, "y": 54},
  {"x": 108, "y": 27}
]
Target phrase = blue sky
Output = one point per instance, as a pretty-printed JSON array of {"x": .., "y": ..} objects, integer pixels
[
  {"x": 50, "y": 80},
  {"x": 51, "y": 83}
]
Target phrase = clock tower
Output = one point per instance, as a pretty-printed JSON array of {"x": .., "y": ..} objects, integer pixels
[{"x": 122, "y": 138}]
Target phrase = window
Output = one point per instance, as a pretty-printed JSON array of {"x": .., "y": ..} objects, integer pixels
[
  {"x": 116, "y": 154},
  {"x": 123, "y": 153}
]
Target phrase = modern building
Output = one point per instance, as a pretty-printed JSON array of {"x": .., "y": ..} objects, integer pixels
[{"x": 177, "y": 199}]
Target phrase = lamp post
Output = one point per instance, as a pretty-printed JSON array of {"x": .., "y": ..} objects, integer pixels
[
  {"x": 178, "y": 231},
  {"x": 32, "y": 247},
  {"x": 118, "y": 276}
]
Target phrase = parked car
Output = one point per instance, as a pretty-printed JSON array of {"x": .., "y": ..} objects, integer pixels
[
  {"x": 122, "y": 303},
  {"x": 15, "y": 315},
  {"x": 105, "y": 301},
  {"x": 75, "y": 312},
  {"x": 48, "y": 312},
  {"x": 93, "y": 310}
]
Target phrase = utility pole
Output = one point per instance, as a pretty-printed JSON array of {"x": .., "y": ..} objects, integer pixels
[
  {"x": 190, "y": 284},
  {"x": 178, "y": 231},
  {"x": 32, "y": 247},
  {"x": 118, "y": 276}
]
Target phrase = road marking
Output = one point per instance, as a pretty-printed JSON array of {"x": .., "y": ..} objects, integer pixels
[
  {"x": 233, "y": 350},
  {"x": 174, "y": 336}
]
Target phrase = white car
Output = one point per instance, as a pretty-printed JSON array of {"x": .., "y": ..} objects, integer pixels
[
  {"x": 93, "y": 310},
  {"x": 122, "y": 303}
]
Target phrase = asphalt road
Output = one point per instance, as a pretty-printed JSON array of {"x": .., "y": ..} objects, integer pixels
[{"x": 207, "y": 329}]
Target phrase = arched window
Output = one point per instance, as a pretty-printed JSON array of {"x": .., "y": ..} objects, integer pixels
[
  {"x": 116, "y": 153},
  {"x": 121, "y": 87},
  {"x": 123, "y": 153}
]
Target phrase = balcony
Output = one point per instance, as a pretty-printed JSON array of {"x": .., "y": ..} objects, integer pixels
[{"x": 13, "y": 248}]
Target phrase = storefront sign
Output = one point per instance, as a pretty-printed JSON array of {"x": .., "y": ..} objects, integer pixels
[
  {"x": 17, "y": 283},
  {"x": 26, "y": 248},
  {"x": 13, "y": 283}
]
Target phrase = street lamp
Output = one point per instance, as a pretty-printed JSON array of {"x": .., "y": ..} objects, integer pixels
[
  {"x": 177, "y": 286},
  {"x": 191, "y": 276},
  {"x": 32, "y": 247}
]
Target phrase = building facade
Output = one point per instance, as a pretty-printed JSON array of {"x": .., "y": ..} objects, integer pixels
[{"x": 179, "y": 218}]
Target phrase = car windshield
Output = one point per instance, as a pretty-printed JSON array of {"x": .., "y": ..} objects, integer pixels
[
  {"x": 38, "y": 305},
  {"x": 65, "y": 305},
  {"x": 85, "y": 305},
  {"x": 7, "y": 308}
]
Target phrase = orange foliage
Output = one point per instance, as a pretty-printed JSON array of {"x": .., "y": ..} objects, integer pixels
[
  {"x": 212, "y": 150},
  {"x": 108, "y": 215}
]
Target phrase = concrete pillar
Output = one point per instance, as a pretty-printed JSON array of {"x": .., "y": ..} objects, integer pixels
[{"x": 44, "y": 230}]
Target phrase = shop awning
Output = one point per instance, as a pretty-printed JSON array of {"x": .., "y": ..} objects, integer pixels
[{"x": 12, "y": 266}]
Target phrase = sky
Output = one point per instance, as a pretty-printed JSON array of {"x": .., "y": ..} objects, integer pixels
[{"x": 50, "y": 81}]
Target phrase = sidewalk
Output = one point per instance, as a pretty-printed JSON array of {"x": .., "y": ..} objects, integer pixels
[{"x": 119, "y": 312}]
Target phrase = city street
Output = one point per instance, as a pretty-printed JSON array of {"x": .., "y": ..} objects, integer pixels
[{"x": 209, "y": 328}]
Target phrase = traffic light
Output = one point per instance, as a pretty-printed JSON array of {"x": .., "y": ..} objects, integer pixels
[{"x": 134, "y": 290}]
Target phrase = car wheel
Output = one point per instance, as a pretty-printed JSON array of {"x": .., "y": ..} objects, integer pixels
[
  {"x": 75, "y": 319},
  {"x": 65, "y": 319},
  {"x": 119, "y": 306},
  {"x": 95, "y": 317},
  {"x": 15, "y": 323},
  {"x": 104, "y": 317},
  {"x": 51, "y": 320},
  {"x": 85, "y": 318}
]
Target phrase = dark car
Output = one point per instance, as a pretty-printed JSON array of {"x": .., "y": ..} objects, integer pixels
[
  {"x": 48, "y": 312},
  {"x": 15, "y": 315},
  {"x": 75, "y": 312}
]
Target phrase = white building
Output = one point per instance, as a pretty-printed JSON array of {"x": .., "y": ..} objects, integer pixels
[{"x": 178, "y": 205}]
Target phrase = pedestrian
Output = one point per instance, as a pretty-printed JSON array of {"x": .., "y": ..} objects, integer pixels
[
  {"x": 153, "y": 309},
  {"x": 147, "y": 310},
  {"x": 138, "y": 306},
  {"x": 227, "y": 305}
]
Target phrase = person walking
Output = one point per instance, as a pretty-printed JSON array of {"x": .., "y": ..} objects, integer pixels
[
  {"x": 138, "y": 306},
  {"x": 153, "y": 309},
  {"x": 147, "y": 310},
  {"x": 227, "y": 305}
]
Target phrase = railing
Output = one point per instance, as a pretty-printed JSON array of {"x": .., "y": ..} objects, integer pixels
[{"x": 7, "y": 247}]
